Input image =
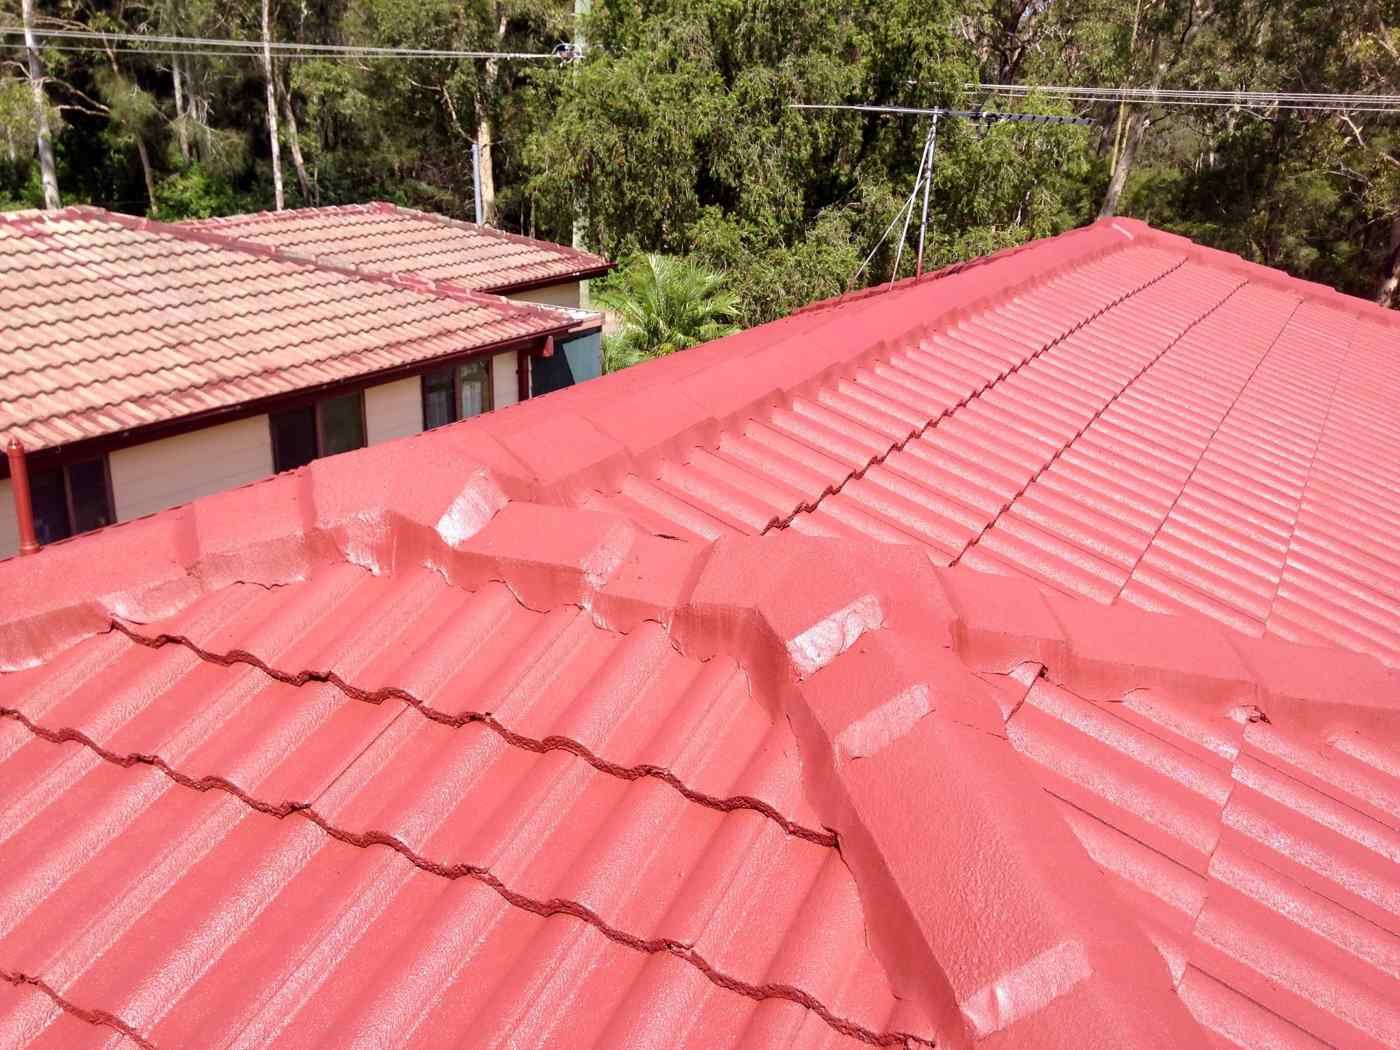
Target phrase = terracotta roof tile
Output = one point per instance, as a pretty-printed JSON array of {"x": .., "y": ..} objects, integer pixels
[
  {"x": 109, "y": 323},
  {"x": 652, "y": 712},
  {"x": 386, "y": 238}
]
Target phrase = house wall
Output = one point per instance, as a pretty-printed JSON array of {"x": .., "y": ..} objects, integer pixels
[
  {"x": 505, "y": 384},
  {"x": 394, "y": 410},
  {"x": 9, "y": 530},
  {"x": 160, "y": 474},
  {"x": 164, "y": 473},
  {"x": 566, "y": 294}
]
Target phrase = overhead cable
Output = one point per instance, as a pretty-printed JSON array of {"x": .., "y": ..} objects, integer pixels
[
  {"x": 217, "y": 45},
  {"x": 985, "y": 116},
  {"x": 1305, "y": 101}
]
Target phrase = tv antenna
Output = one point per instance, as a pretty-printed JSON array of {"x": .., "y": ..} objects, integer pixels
[{"x": 924, "y": 179}]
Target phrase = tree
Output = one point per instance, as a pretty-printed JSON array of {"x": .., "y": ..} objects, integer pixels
[
  {"x": 665, "y": 304},
  {"x": 271, "y": 78},
  {"x": 48, "y": 172},
  {"x": 674, "y": 134},
  {"x": 1173, "y": 28}
]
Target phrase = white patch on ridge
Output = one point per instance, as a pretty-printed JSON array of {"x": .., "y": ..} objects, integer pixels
[
  {"x": 603, "y": 561},
  {"x": 878, "y": 729},
  {"x": 474, "y": 506},
  {"x": 831, "y": 636},
  {"x": 1028, "y": 989}
]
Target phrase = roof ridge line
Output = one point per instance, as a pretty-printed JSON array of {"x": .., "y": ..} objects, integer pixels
[
  {"x": 950, "y": 270},
  {"x": 535, "y": 745},
  {"x": 388, "y": 207},
  {"x": 543, "y": 908},
  {"x": 1267, "y": 276},
  {"x": 587, "y": 261},
  {"x": 407, "y": 281}
]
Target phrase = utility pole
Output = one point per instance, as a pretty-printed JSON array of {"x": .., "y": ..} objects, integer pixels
[
  {"x": 581, "y": 9},
  {"x": 47, "y": 171}
]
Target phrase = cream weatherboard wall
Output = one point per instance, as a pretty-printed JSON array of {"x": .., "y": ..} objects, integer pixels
[
  {"x": 394, "y": 410},
  {"x": 551, "y": 295},
  {"x": 160, "y": 474}
]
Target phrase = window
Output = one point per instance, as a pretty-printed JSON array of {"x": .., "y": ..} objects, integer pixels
[
  {"x": 334, "y": 424},
  {"x": 458, "y": 392},
  {"x": 69, "y": 500},
  {"x": 293, "y": 438},
  {"x": 342, "y": 423}
]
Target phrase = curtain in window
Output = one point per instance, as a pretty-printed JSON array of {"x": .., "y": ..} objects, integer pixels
[
  {"x": 438, "y": 399},
  {"x": 475, "y": 379}
]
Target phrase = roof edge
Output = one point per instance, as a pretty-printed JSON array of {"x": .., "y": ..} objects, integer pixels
[
  {"x": 588, "y": 265},
  {"x": 406, "y": 281}
]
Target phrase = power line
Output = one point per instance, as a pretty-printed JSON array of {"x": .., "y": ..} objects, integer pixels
[
  {"x": 981, "y": 115},
  {"x": 142, "y": 43},
  {"x": 1304, "y": 101}
]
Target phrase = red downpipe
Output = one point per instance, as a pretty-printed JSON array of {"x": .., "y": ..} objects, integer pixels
[{"x": 24, "y": 504}]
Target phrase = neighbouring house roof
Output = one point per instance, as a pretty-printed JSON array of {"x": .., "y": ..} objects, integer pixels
[
  {"x": 657, "y": 712},
  {"x": 387, "y": 238},
  {"x": 109, "y": 323}
]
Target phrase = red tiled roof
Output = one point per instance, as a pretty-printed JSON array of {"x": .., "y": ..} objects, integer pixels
[
  {"x": 387, "y": 238},
  {"x": 410, "y": 746},
  {"x": 109, "y": 322}
]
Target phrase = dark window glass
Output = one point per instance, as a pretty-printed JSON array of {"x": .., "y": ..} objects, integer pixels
[
  {"x": 342, "y": 424},
  {"x": 438, "y": 400},
  {"x": 50, "y": 504},
  {"x": 87, "y": 483},
  {"x": 551, "y": 373},
  {"x": 475, "y": 386},
  {"x": 293, "y": 438}
]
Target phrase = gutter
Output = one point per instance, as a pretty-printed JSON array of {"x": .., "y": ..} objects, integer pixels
[{"x": 535, "y": 344}]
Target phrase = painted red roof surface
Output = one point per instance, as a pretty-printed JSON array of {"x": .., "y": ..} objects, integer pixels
[
  {"x": 109, "y": 322},
  {"x": 605, "y": 720},
  {"x": 387, "y": 238}
]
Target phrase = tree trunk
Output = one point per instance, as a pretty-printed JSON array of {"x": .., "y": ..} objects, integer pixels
[
  {"x": 294, "y": 144},
  {"x": 1137, "y": 126},
  {"x": 141, "y": 151},
  {"x": 48, "y": 173},
  {"x": 1389, "y": 291},
  {"x": 271, "y": 79},
  {"x": 182, "y": 127},
  {"x": 149, "y": 175},
  {"x": 484, "y": 132}
]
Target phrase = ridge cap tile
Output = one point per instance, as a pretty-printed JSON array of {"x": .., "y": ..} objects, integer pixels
[{"x": 1007, "y": 767}]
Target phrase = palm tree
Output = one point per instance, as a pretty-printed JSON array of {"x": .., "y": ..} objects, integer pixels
[{"x": 665, "y": 304}]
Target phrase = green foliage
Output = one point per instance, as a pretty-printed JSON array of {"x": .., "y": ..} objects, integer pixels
[
  {"x": 196, "y": 193},
  {"x": 675, "y": 134},
  {"x": 663, "y": 304}
]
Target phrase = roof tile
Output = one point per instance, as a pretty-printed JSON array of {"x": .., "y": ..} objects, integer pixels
[{"x": 501, "y": 733}]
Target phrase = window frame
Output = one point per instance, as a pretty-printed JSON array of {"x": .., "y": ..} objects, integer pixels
[
  {"x": 489, "y": 394},
  {"x": 321, "y": 426},
  {"x": 315, "y": 403},
  {"x": 70, "y": 509}
]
